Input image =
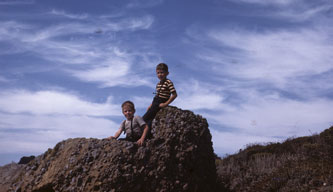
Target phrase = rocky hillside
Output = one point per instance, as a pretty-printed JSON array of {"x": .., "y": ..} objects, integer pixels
[
  {"x": 300, "y": 164},
  {"x": 8, "y": 174},
  {"x": 179, "y": 157}
]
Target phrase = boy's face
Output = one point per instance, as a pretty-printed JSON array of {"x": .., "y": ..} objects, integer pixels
[
  {"x": 161, "y": 74},
  {"x": 128, "y": 112}
]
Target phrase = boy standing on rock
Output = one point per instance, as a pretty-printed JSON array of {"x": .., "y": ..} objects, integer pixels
[
  {"x": 165, "y": 94},
  {"x": 135, "y": 127}
]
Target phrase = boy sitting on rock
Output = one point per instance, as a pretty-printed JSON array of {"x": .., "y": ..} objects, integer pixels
[
  {"x": 134, "y": 126},
  {"x": 165, "y": 94}
]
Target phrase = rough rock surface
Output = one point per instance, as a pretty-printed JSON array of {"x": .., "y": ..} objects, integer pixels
[
  {"x": 8, "y": 174},
  {"x": 179, "y": 157}
]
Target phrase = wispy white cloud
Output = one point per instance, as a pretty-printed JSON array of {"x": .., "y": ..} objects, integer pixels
[
  {"x": 267, "y": 120},
  {"x": 3, "y": 79},
  {"x": 35, "y": 133},
  {"x": 68, "y": 15},
  {"x": 35, "y": 121},
  {"x": 116, "y": 72},
  {"x": 273, "y": 56},
  {"x": 16, "y": 2},
  {"x": 52, "y": 103},
  {"x": 11, "y": 30},
  {"x": 144, "y": 3},
  {"x": 276, "y": 117},
  {"x": 261, "y": 117},
  {"x": 15, "y": 32},
  {"x": 292, "y": 10},
  {"x": 37, "y": 35},
  {"x": 298, "y": 14},
  {"x": 272, "y": 2},
  {"x": 134, "y": 23},
  {"x": 195, "y": 95},
  {"x": 102, "y": 59},
  {"x": 71, "y": 52},
  {"x": 142, "y": 102}
]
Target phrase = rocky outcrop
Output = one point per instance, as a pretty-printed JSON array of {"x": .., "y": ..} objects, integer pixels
[
  {"x": 25, "y": 159},
  {"x": 179, "y": 157}
]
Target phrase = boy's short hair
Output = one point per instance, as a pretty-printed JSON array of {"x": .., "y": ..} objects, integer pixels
[
  {"x": 162, "y": 66},
  {"x": 129, "y": 104}
]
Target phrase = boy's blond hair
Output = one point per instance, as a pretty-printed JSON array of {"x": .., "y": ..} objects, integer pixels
[
  {"x": 129, "y": 104},
  {"x": 163, "y": 67}
]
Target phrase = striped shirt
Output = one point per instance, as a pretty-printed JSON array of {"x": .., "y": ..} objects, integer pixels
[{"x": 165, "y": 88}]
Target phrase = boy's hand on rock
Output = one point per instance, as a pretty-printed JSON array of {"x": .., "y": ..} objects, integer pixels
[{"x": 140, "y": 142}]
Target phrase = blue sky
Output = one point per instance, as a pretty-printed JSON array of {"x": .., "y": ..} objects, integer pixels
[{"x": 259, "y": 71}]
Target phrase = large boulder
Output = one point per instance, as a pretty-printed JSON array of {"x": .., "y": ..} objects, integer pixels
[{"x": 179, "y": 157}]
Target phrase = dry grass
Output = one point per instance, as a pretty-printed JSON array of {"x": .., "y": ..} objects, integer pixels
[{"x": 298, "y": 164}]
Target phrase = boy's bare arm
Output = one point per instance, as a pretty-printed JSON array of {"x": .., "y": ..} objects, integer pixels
[
  {"x": 143, "y": 136},
  {"x": 116, "y": 135},
  {"x": 149, "y": 107},
  {"x": 172, "y": 98}
]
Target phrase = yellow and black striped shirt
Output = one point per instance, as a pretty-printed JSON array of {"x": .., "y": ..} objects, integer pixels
[{"x": 165, "y": 88}]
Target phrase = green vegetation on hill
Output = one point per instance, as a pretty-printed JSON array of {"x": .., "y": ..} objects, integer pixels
[{"x": 300, "y": 164}]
